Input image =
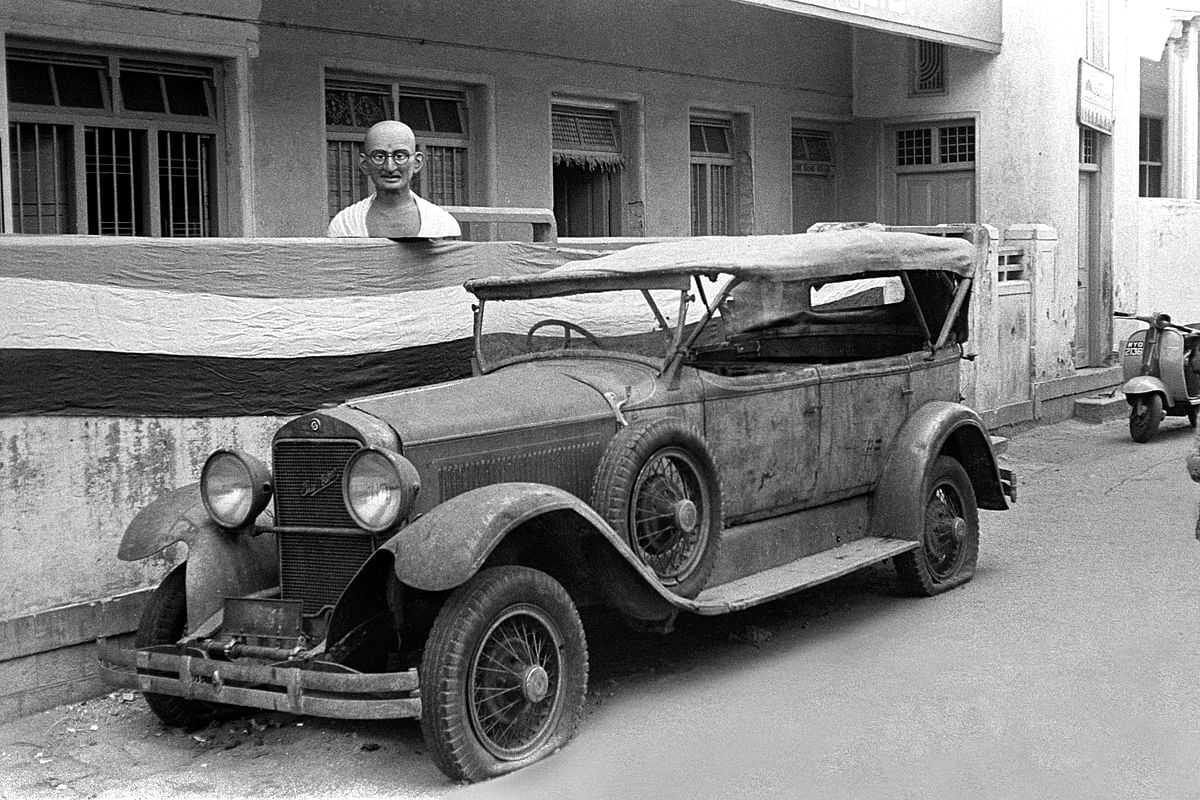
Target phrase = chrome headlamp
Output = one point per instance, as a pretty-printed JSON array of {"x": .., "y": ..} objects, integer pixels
[
  {"x": 235, "y": 488},
  {"x": 379, "y": 488}
]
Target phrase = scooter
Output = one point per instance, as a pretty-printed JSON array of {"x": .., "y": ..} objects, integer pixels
[{"x": 1162, "y": 373}]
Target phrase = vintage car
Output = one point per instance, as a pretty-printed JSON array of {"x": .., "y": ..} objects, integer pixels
[{"x": 692, "y": 426}]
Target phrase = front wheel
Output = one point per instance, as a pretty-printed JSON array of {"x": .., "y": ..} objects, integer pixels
[
  {"x": 950, "y": 534},
  {"x": 163, "y": 620},
  {"x": 1144, "y": 417},
  {"x": 504, "y": 674}
]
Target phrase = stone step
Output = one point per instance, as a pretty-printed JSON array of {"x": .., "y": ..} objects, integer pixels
[{"x": 1101, "y": 407}]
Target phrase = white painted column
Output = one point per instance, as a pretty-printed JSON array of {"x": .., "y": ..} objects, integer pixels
[{"x": 1181, "y": 151}]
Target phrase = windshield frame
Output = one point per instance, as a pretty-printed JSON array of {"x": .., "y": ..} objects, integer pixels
[{"x": 482, "y": 365}]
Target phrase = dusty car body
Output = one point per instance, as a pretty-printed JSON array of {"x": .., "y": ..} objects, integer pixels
[{"x": 694, "y": 426}]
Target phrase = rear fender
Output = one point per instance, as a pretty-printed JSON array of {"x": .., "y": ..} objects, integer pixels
[
  {"x": 450, "y": 543},
  {"x": 936, "y": 428},
  {"x": 221, "y": 563}
]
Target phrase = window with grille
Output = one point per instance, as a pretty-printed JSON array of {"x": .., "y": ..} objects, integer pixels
[
  {"x": 928, "y": 68},
  {"x": 112, "y": 145},
  {"x": 439, "y": 119},
  {"x": 1087, "y": 147},
  {"x": 1150, "y": 157},
  {"x": 712, "y": 166},
  {"x": 812, "y": 152},
  {"x": 947, "y": 145}
]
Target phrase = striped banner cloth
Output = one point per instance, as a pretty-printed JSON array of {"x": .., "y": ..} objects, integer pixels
[{"x": 235, "y": 327}]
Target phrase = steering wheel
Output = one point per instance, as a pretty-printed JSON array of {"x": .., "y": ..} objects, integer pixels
[{"x": 567, "y": 327}]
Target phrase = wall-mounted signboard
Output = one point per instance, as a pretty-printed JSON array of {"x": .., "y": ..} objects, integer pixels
[{"x": 1096, "y": 97}]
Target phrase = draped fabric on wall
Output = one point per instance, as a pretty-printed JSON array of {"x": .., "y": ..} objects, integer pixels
[{"x": 233, "y": 327}]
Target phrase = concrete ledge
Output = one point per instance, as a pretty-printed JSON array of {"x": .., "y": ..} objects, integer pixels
[
  {"x": 45, "y": 680},
  {"x": 1084, "y": 381},
  {"x": 1054, "y": 400},
  {"x": 48, "y": 658}
]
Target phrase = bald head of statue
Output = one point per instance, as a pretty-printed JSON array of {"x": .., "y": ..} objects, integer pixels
[{"x": 390, "y": 159}]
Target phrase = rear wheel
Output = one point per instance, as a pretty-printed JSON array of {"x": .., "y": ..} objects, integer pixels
[
  {"x": 163, "y": 621},
  {"x": 950, "y": 534},
  {"x": 504, "y": 674},
  {"x": 1144, "y": 417}
]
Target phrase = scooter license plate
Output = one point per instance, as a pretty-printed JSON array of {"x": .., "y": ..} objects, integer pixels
[{"x": 1134, "y": 348}]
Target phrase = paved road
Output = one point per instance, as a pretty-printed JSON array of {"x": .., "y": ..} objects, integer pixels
[{"x": 1067, "y": 669}]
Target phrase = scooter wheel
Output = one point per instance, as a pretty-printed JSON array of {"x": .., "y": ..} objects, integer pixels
[{"x": 1144, "y": 417}]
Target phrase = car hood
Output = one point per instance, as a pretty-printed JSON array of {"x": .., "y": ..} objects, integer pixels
[{"x": 523, "y": 395}]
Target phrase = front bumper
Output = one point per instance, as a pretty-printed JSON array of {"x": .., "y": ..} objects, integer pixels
[
  {"x": 1008, "y": 483},
  {"x": 311, "y": 690}
]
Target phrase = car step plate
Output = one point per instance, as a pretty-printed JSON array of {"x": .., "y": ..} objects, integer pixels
[{"x": 799, "y": 574}]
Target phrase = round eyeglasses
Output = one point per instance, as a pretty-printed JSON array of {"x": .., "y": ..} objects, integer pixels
[{"x": 380, "y": 157}]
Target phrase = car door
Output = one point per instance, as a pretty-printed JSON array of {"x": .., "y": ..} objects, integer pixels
[
  {"x": 867, "y": 394},
  {"x": 764, "y": 432},
  {"x": 864, "y": 404}
]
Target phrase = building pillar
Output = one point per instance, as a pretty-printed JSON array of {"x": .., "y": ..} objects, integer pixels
[{"x": 1181, "y": 150}]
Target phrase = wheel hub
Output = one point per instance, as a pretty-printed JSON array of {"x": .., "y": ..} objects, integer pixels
[
  {"x": 959, "y": 530},
  {"x": 686, "y": 516},
  {"x": 535, "y": 683}
]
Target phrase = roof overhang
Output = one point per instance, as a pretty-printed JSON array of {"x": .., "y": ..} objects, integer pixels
[{"x": 975, "y": 24}]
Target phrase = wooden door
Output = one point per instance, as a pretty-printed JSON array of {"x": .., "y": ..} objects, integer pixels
[{"x": 932, "y": 198}]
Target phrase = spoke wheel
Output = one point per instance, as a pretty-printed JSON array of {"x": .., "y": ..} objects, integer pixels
[
  {"x": 1145, "y": 415},
  {"x": 949, "y": 535},
  {"x": 664, "y": 516},
  {"x": 514, "y": 682},
  {"x": 504, "y": 673},
  {"x": 657, "y": 487}
]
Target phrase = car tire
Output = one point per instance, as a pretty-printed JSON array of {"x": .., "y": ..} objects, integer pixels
[
  {"x": 949, "y": 535},
  {"x": 510, "y": 632},
  {"x": 658, "y": 487},
  {"x": 1145, "y": 415},
  {"x": 164, "y": 618}
]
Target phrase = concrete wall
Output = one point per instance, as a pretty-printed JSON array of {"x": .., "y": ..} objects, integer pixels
[
  {"x": 1168, "y": 262},
  {"x": 517, "y": 56},
  {"x": 70, "y": 485}
]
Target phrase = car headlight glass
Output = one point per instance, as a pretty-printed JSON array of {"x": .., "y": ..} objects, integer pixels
[
  {"x": 379, "y": 488},
  {"x": 235, "y": 488}
]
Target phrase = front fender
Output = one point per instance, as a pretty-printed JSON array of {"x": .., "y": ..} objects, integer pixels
[
  {"x": 446, "y": 546},
  {"x": 937, "y": 427},
  {"x": 221, "y": 563},
  {"x": 1143, "y": 385}
]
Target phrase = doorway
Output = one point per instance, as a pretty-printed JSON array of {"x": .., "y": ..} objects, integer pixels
[
  {"x": 585, "y": 201},
  {"x": 1087, "y": 270}
]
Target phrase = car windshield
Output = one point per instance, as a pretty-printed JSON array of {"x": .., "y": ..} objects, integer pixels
[{"x": 627, "y": 322}]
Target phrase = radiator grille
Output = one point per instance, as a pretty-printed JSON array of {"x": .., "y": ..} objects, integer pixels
[
  {"x": 316, "y": 567},
  {"x": 308, "y": 482}
]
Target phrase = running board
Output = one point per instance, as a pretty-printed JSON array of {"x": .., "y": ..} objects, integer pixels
[{"x": 799, "y": 574}]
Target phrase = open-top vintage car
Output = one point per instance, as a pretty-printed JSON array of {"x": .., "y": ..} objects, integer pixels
[{"x": 691, "y": 426}]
